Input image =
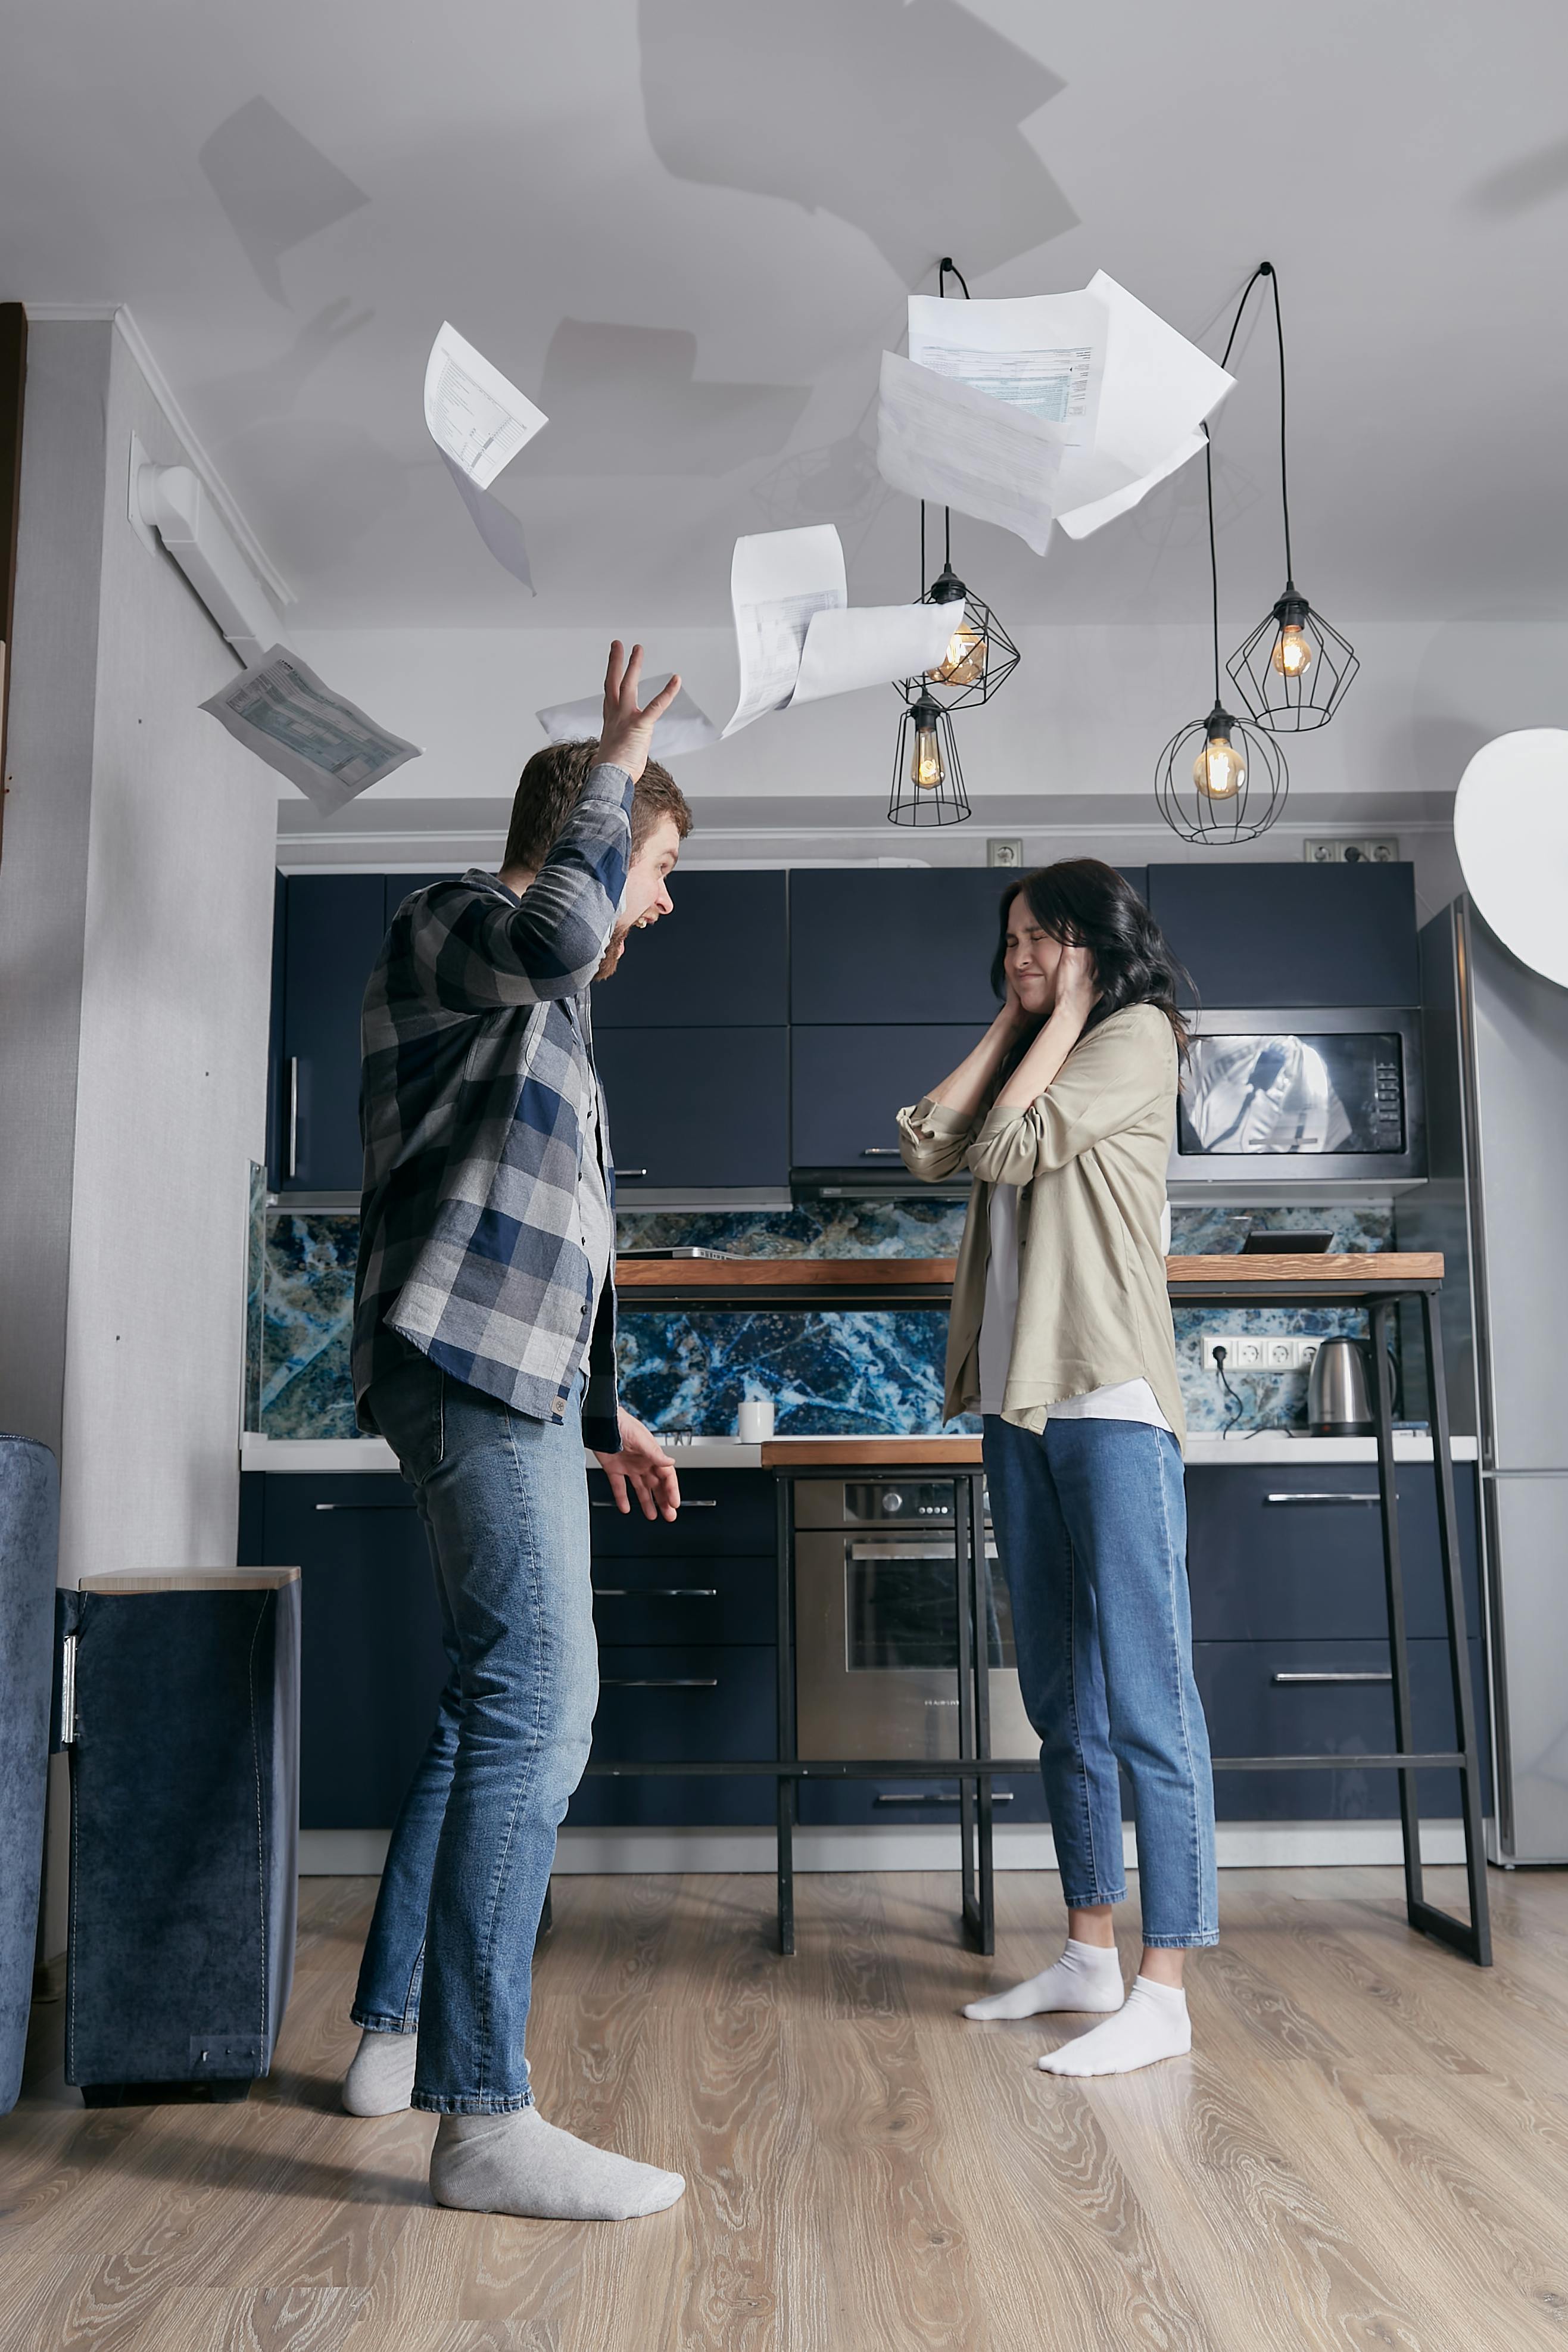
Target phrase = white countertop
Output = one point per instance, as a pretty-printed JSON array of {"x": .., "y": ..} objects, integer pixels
[{"x": 1270, "y": 1447}]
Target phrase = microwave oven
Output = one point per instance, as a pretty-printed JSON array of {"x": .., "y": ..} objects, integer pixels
[{"x": 1301, "y": 1098}]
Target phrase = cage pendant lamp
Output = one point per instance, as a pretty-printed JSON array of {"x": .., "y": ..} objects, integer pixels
[
  {"x": 927, "y": 778},
  {"x": 979, "y": 653},
  {"x": 1295, "y": 669},
  {"x": 1220, "y": 780}
]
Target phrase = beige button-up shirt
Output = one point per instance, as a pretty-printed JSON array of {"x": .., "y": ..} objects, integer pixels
[{"x": 1089, "y": 1157}]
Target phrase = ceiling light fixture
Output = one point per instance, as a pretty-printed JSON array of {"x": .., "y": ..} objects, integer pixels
[
  {"x": 980, "y": 655},
  {"x": 1293, "y": 671},
  {"x": 1217, "y": 781}
]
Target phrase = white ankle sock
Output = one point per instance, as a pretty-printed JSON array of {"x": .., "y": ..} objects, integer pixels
[
  {"x": 1152, "y": 2023},
  {"x": 381, "y": 2074},
  {"x": 517, "y": 2163},
  {"x": 1086, "y": 1976}
]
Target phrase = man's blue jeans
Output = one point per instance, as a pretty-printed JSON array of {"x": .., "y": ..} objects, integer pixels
[
  {"x": 450, "y": 1951},
  {"x": 1091, "y": 1522}
]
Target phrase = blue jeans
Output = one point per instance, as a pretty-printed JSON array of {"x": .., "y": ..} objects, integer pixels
[
  {"x": 1091, "y": 1524},
  {"x": 450, "y": 1951}
]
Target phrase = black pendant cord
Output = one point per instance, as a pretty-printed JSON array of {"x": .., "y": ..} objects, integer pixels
[
  {"x": 1267, "y": 269},
  {"x": 946, "y": 267},
  {"x": 1213, "y": 558}
]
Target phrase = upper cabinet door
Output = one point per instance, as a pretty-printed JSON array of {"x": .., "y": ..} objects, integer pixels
[
  {"x": 719, "y": 960},
  {"x": 869, "y": 944},
  {"x": 333, "y": 931},
  {"x": 849, "y": 1086},
  {"x": 1262, "y": 935},
  {"x": 695, "y": 1108}
]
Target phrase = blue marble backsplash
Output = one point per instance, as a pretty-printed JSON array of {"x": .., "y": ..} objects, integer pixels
[{"x": 828, "y": 1373}]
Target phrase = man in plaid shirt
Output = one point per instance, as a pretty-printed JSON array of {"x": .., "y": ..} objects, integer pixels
[{"x": 485, "y": 1354}]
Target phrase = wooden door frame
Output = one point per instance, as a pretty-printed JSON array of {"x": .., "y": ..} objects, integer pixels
[{"x": 12, "y": 377}]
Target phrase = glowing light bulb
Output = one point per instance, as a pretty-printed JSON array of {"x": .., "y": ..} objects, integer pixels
[
  {"x": 964, "y": 663},
  {"x": 1220, "y": 770},
  {"x": 925, "y": 769},
  {"x": 1292, "y": 655}
]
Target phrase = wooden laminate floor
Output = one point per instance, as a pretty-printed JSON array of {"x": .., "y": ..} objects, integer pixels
[{"x": 1368, "y": 2148}]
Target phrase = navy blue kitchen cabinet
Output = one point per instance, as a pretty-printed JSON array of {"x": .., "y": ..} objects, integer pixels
[
  {"x": 722, "y": 957},
  {"x": 894, "y": 944},
  {"x": 331, "y": 932},
  {"x": 694, "y": 1107},
  {"x": 1260, "y": 934},
  {"x": 848, "y": 1084},
  {"x": 685, "y": 1615}
]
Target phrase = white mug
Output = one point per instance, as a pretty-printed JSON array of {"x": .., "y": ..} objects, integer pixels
[{"x": 755, "y": 1419}]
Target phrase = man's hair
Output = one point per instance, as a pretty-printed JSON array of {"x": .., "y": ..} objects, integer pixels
[{"x": 548, "y": 791}]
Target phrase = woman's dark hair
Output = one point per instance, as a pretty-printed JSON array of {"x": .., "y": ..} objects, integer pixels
[{"x": 1084, "y": 903}]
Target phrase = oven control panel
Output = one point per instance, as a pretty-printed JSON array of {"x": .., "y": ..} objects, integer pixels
[{"x": 873, "y": 1502}]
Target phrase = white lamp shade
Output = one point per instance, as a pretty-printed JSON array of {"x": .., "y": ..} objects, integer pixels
[{"x": 1511, "y": 829}]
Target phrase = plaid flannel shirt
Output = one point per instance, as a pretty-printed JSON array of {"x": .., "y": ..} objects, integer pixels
[{"x": 476, "y": 1090}]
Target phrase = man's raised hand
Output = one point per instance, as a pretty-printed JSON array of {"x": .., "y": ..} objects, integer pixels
[{"x": 627, "y": 732}]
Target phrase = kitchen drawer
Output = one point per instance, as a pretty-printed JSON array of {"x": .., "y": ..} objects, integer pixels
[
  {"x": 1250, "y": 1714},
  {"x": 681, "y": 1601},
  {"x": 706, "y": 1801},
  {"x": 660, "y": 1705},
  {"x": 931, "y": 1803},
  {"x": 730, "y": 1511},
  {"x": 1311, "y": 1566}
]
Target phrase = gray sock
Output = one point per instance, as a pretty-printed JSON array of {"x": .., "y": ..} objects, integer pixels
[
  {"x": 380, "y": 2076},
  {"x": 517, "y": 2163}
]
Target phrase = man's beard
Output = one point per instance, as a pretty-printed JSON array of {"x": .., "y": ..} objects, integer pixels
[{"x": 612, "y": 953}]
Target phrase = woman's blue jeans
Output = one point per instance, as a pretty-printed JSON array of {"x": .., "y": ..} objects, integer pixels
[
  {"x": 1091, "y": 1524},
  {"x": 450, "y": 1951}
]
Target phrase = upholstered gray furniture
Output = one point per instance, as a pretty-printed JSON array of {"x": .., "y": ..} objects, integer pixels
[
  {"x": 185, "y": 1753},
  {"x": 29, "y": 1541}
]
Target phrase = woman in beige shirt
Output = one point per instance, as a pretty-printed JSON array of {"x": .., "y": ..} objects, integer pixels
[{"x": 1060, "y": 1338}]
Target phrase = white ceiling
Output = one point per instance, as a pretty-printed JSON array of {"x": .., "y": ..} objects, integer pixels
[{"x": 687, "y": 226}]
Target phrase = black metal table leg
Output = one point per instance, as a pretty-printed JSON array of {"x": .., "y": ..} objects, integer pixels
[
  {"x": 1394, "y": 1586},
  {"x": 980, "y": 1580},
  {"x": 1474, "y": 1941},
  {"x": 964, "y": 1605},
  {"x": 785, "y": 1748}
]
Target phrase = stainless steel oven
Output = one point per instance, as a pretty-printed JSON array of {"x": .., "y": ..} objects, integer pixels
[
  {"x": 876, "y": 1626},
  {"x": 1302, "y": 1097}
]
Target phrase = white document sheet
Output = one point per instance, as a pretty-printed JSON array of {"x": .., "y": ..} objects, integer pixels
[
  {"x": 1097, "y": 372},
  {"x": 496, "y": 525},
  {"x": 321, "y": 740},
  {"x": 871, "y": 644},
  {"x": 1042, "y": 352},
  {"x": 684, "y": 726},
  {"x": 475, "y": 417},
  {"x": 939, "y": 439},
  {"x": 779, "y": 581}
]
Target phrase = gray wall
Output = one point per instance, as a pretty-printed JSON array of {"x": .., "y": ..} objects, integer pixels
[{"x": 135, "y": 930}]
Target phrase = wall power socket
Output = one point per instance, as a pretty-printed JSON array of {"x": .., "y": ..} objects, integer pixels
[{"x": 1261, "y": 1351}]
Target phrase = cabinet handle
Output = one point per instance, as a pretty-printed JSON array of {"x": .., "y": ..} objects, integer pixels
[
  {"x": 657, "y": 1591},
  {"x": 879, "y": 1151},
  {"x": 618, "y": 1172},
  {"x": 291, "y": 1125},
  {"x": 658, "y": 1682},
  {"x": 688, "y": 1503},
  {"x": 1322, "y": 1498},
  {"x": 363, "y": 1507},
  {"x": 1282, "y": 1681},
  {"x": 919, "y": 1797}
]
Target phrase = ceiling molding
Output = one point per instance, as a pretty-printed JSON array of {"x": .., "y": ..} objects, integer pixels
[{"x": 158, "y": 385}]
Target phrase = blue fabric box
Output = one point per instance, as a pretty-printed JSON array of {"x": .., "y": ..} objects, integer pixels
[
  {"x": 180, "y": 1712},
  {"x": 29, "y": 1540}
]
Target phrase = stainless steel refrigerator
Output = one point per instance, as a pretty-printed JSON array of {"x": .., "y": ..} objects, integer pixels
[{"x": 1497, "y": 1204}]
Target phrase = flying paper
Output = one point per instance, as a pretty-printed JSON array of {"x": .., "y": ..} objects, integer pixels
[
  {"x": 1096, "y": 373},
  {"x": 475, "y": 417},
  {"x": 479, "y": 422},
  {"x": 321, "y": 740},
  {"x": 682, "y": 728},
  {"x": 798, "y": 638}
]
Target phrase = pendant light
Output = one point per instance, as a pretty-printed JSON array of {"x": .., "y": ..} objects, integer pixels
[
  {"x": 1218, "y": 781},
  {"x": 1293, "y": 671},
  {"x": 927, "y": 781}
]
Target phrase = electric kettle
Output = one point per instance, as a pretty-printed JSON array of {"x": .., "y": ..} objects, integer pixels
[{"x": 1338, "y": 1403}]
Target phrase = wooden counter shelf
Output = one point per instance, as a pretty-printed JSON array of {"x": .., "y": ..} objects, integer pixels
[{"x": 862, "y": 1283}]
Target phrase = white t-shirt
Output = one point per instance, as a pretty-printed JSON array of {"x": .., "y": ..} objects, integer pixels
[{"x": 1120, "y": 1400}]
